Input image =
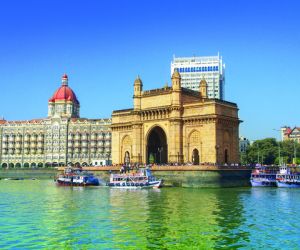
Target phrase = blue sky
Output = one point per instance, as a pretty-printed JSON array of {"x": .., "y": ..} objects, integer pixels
[{"x": 104, "y": 45}]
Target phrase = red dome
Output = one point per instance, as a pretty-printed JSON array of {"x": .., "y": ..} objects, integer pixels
[{"x": 64, "y": 93}]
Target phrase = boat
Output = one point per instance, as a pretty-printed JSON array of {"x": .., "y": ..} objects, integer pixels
[
  {"x": 285, "y": 178},
  {"x": 142, "y": 178},
  {"x": 263, "y": 177},
  {"x": 76, "y": 177}
]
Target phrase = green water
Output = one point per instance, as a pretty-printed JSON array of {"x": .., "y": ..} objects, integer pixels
[{"x": 37, "y": 214}]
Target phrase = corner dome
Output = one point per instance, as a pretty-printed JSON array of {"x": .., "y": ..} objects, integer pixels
[
  {"x": 138, "y": 80},
  {"x": 176, "y": 74},
  {"x": 64, "y": 92}
]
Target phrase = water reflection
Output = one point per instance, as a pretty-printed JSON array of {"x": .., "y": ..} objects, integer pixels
[
  {"x": 230, "y": 216},
  {"x": 38, "y": 214},
  {"x": 207, "y": 218}
]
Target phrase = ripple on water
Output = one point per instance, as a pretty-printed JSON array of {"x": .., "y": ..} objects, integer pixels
[{"x": 38, "y": 214}]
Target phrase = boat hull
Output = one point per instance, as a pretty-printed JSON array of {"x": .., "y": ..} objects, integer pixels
[
  {"x": 287, "y": 184},
  {"x": 132, "y": 185},
  {"x": 256, "y": 183},
  {"x": 94, "y": 182}
]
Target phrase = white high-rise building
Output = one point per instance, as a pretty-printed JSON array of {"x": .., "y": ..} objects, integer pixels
[{"x": 194, "y": 69}]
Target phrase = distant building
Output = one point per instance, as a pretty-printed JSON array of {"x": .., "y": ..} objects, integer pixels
[
  {"x": 194, "y": 69},
  {"x": 244, "y": 143},
  {"x": 63, "y": 138},
  {"x": 288, "y": 133}
]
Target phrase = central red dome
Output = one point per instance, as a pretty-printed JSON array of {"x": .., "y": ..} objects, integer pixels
[{"x": 64, "y": 93}]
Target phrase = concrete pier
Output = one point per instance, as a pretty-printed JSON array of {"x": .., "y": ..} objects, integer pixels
[
  {"x": 176, "y": 176},
  {"x": 189, "y": 176}
]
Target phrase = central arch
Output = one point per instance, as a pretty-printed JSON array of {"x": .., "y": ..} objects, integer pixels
[{"x": 157, "y": 147}]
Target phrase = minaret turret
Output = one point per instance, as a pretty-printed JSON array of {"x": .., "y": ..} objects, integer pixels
[
  {"x": 138, "y": 88},
  {"x": 203, "y": 88},
  {"x": 176, "y": 86},
  {"x": 176, "y": 80}
]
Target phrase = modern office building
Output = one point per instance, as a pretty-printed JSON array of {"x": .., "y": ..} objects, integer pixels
[
  {"x": 63, "y": 138},
  {"x": 194, "y": 69}
]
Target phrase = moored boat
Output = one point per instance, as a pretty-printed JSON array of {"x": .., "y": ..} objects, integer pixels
[
  {"x": 76, "y": 177},
  {"x": 263, "y": 177},
  {"x": 143, "y": 178},
  {"x": 285, "y": 178}
]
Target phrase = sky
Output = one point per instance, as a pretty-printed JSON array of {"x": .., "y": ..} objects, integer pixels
[{"x": 104, "y": 45}]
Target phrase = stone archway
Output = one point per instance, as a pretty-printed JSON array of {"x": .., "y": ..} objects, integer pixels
[
  {"x": 18, "y": 165},
  {"x": 54, "y": 164},
  {"x": 48, "y": 165},
  {"x": 127, "y": 158},
  {"x": 157, "y": 146},
  {"x": 126, "y": 149},
  {"x": 4, "y": 165},
  {"x": 195, "y": 157},
  {"x": 226, "y": 156},
  {"x": 194, "y": 147}
]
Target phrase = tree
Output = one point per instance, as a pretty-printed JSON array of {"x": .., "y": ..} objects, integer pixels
[
  {"x": 151, "y": 158},
  {"x": 267, "y": 151},
  {"x": 262, "y": 151}
]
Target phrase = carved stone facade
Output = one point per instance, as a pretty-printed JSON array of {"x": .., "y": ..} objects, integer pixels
[
  {"x": 174, "y": 124},
  {"x": 61, "y": 139}
]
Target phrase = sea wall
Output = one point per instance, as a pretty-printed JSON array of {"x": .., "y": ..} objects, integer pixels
[
  {"x": 177, "y": 176},
  {"x": 197, "y": 179},
  {"x": 28, "y": 173}
]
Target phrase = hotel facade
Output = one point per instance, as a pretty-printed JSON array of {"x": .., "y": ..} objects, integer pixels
[{"x": 63, "y": 138}]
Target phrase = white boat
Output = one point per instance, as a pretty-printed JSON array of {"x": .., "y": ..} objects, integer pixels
[
  {"x": 143, "y": 178},
  {"x": 263, "y": 177},
  {"x": 285, "y": 178}
]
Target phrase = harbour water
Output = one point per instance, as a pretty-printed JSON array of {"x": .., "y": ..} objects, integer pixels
[{"x": 37, "y": 214}]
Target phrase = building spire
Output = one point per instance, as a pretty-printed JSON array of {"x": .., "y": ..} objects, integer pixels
[{"x": 64, "y": 80}]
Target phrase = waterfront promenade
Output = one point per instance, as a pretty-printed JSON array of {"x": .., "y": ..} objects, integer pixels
[
  {"x": 170, "y": 168},
  {"x": 197, "y": 176},
  {"x": 174, "y": 176}
]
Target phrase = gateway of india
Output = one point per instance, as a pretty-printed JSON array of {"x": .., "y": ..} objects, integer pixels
[
  {"x": 175, "y": 125},
  {"x": 59, "y": 140}
]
